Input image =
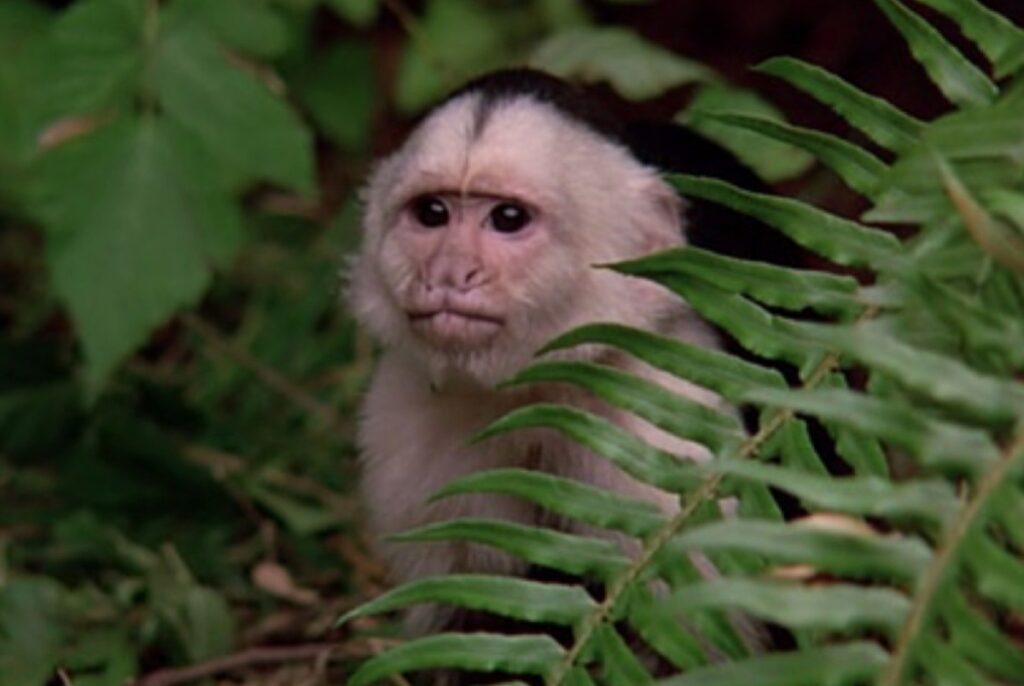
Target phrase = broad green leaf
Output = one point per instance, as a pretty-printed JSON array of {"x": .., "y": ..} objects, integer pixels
[
  {"x": 509, "y": 597},
  {"x": 959, "y": 80},
  {"x": 678, "y": 415},
  {"x": 566, "y": 497},
  {"x": 20, "y": 19},
  {"x": 771, "y": 159},
  {"x": 726, "y": 375},
  {"x": 634, "y": 67},
  {"x": 456, "y": 40},
  {"x": 33, "y": 631},
  {"x": 477, "y": 652},
  {"x": 236, "y": 118},
  {"x": 93, "y": 60},
  {"x": 125, "y": 248},
  {"x": 856, "y": 555},
  {"x": 841, "y": 608},
  {"x": 618, "y": 663},
  {"x": 1000, "y": 40},
  {"x": 362, "y": 13},
  {"x": 940, "y": 378},
  {"x": 564, "y": 552},
  {"x": 939, "y": 445},
  {"x": 841, "y": 665},
  {"x": 794, "y": 289},
  {"x": 249, "y": 26},
  {"x": 875, "y": 117},
  {"x": 858, "y": 168},
  {"x": 102, "y": 656},
  {"x": 201, "y": 621},
  {"x": 631, "y": 454},
  {"x": 339, "y": 89},
  {"x": 840, "y": 240}
]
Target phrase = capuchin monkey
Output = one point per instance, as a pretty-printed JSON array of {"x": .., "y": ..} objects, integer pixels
[{"x": 482, "y": 233}]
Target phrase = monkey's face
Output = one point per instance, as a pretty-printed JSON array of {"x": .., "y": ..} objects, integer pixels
[{"x": 482, "y": 233}]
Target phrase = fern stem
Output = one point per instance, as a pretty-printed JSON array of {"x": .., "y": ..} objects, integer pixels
[{"x": 935, "y": 576}]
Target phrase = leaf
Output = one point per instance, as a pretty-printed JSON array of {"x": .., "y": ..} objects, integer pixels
[
  {"x": 678, "y": 415},
  {"x": 794, "y": 289},
  {"x": 629, "y": 453},
  {"x": 939, "y": 445},
  {"x": 875, "y": 117},
  {"x": 478, "y": 652},
  {"x": 976, "y": 638},
  {"x": 340, "y": 92},
  {"x": 620, "y": 666},
  {"x": 634, "y": 67},
  {"x": 125, "y": 248},
  {"x": 456, "y": 39},
  {"x": 233, "y": 116},
  {"x": 772, "y": 160},
  {"x": 249, "y": 26},
  {"x": 859, "y": 169},
  {"x": 960, "y": 81},
  {"x": 509, "y": 597},
  {"x": 1000, "y": 40},
  {"x": 840, "y": 240},
  {"x": 843, "y": 665},
  {"x": 846, "y": 609},
  {"x": 728, "y": 376},
  {"x": 362, "y": 13},
  {"x": 20, "y": 19},
  {"x": 856, "y": 555},
  {"x": 566, "y": 497},
  {"x": 32, "y": 632},
  {"x": 564, "y": 552},
  {"x": 93, "y": 59},
  {"x": 201, "y": 621}
]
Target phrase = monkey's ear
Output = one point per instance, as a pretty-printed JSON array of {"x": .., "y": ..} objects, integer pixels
[{"x": 663, "y": 223}]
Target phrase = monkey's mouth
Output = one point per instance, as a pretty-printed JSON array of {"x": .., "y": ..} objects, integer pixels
[{"x": 451, "y": 327}]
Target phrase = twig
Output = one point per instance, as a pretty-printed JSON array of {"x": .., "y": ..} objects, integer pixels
[
  {"x": 251, "y": 657},
  {"x": 272, "y": 378}
]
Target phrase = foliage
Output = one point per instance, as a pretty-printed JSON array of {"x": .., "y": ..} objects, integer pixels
[{"x": 908, "y": 563}]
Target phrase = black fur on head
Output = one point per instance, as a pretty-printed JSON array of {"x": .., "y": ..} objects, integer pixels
[{"x": 501, "y": 86}]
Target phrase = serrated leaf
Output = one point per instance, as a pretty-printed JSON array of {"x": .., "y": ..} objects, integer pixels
[
  {"x": 726, "y": 375},
  {"x": 771, "y": 159},
  {"x": 634, "y": 67},
  {"x": 977, "y": 638},
  {"x": 876, "y": 118},
  {"x": 566, "y": 497},
  {"x": 1000, "y": 40},
  {"x": 629, "y": 453},
  {"x": 456, "y": 40},
  {"x": 509, "y": 597},
  {"x": 565, "y": 552},
  {"x": 124, "y": 247},
  {"x": 234, "y": 116},
  {"x": 678, "y": 415},
  {"x": 477, "y": 652},
  {"x": 858, "y": 168},
  {"x": 856, "y": 555},
  {"x": 959, "y": 80},
  {"x": 840, "y": 240},
  {"x": 843, "y": 665},
  {"x": 794, "y": 289}
]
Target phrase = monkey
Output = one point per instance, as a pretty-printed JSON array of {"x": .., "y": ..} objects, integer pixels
[{"x": 480, "y": 238}]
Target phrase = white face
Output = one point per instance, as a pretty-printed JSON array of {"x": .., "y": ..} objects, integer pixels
[{"x": 480, "y": 240}]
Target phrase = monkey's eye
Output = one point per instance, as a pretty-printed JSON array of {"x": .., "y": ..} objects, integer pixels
[
  {"x": 430, "y": 211},
  {"x": 509, "y": 217}
]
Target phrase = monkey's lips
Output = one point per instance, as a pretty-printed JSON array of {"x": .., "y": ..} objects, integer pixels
[{"x": 451, "y": 327}]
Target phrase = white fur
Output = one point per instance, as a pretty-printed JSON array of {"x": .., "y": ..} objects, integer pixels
[{"x": 598, "y": 205}]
